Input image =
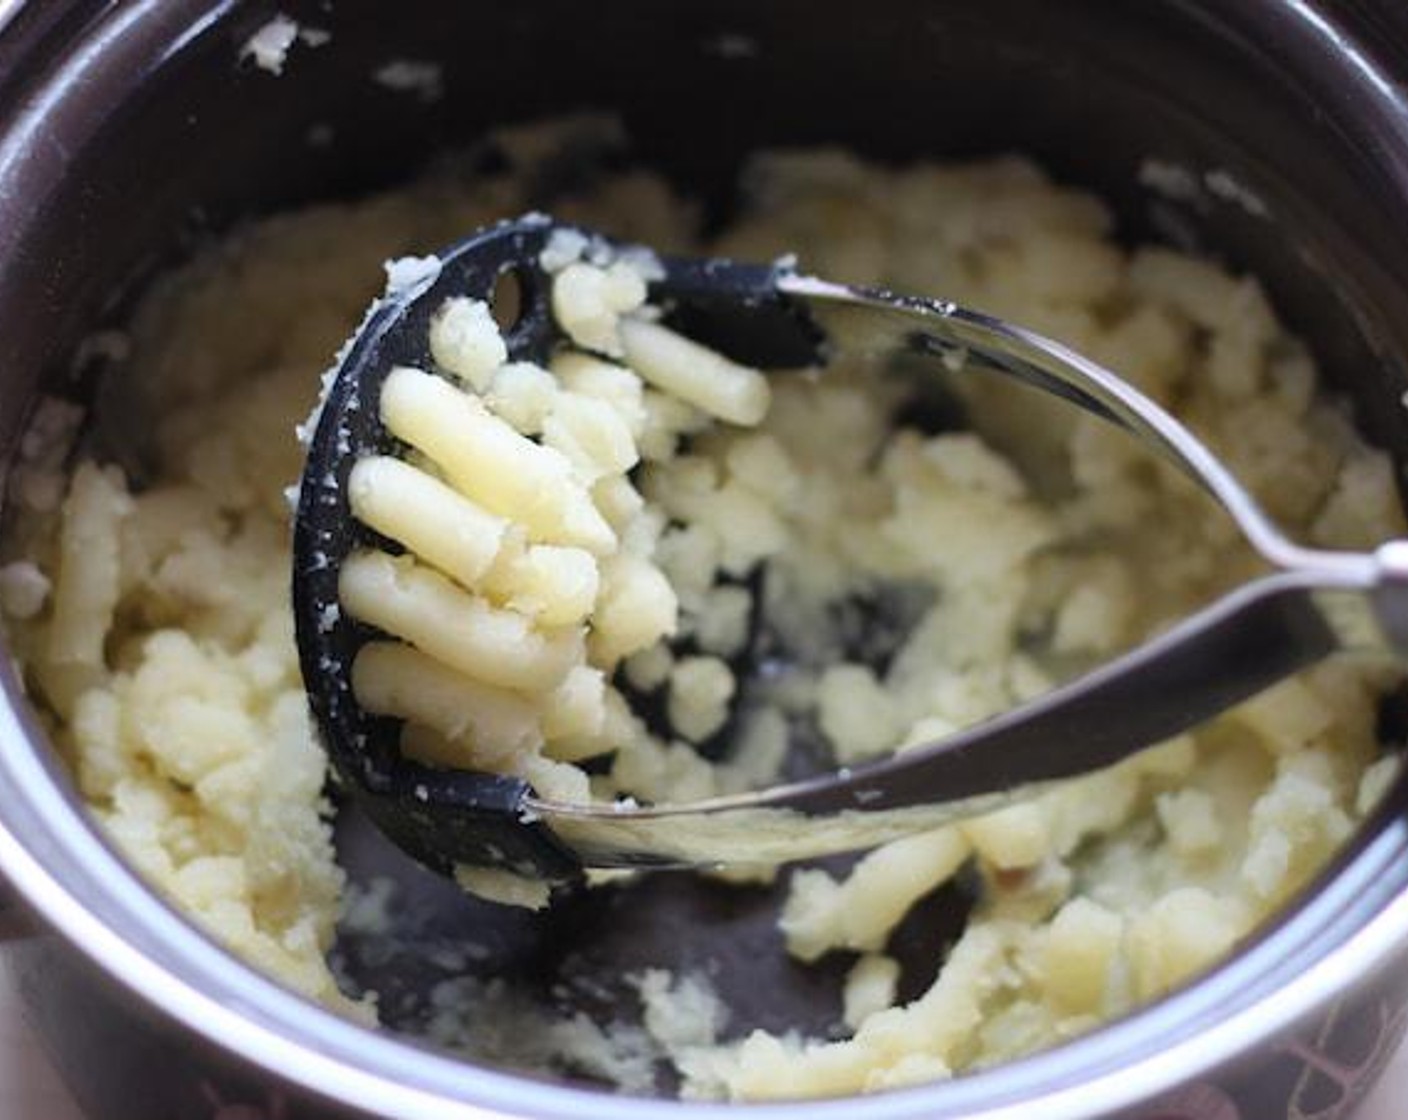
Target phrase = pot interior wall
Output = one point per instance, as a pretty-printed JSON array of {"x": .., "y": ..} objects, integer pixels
[{"x": 180, "y": 139}]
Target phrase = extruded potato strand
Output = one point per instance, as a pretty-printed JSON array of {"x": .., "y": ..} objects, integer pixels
[
  {"x": 487, "y": 643},
  {"x": 694, "y": 373},
  {"x": 392, "y": 679},
  {"x": 432, "y": 520},
  {"x": 486, "y": 460}
]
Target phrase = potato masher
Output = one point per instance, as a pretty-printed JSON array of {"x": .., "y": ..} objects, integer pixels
[{"x": 1312, "y": 602}]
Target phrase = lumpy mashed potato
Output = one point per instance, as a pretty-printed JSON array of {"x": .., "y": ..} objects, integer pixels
[{"x": 152, "y": 623}]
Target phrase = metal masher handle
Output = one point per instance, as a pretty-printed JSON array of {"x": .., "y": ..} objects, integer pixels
[{"x": 1313, "y": 604}]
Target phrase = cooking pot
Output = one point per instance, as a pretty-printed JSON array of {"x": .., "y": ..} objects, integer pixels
[{"x": 1272, "y": 133}]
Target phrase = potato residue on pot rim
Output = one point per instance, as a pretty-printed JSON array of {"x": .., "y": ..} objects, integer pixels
[{"x": 153, "y": 626}]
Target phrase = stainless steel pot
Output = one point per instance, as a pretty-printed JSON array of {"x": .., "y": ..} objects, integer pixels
[{"x": 129, "y": 131}]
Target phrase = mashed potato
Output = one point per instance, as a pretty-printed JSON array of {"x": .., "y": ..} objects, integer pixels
[{"x": 152, "y": 623}]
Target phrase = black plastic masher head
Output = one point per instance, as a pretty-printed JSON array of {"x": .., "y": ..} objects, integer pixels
[{"x": 449, "y": 817}]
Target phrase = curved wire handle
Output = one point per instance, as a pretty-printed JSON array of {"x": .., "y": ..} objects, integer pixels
[{"x": 1313, "y": 604}]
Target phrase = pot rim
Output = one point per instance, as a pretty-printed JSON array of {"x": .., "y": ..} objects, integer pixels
[{"x": 1353, "y": 924}]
